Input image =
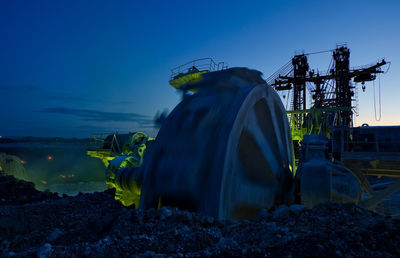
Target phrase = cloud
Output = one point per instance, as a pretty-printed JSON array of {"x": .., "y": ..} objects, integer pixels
[
  {"x": 123, "y": 102},
  {"x": 3, "y": 88},
  {"x": 18, "y": 89},
  {"x": 56, "y": 96},
  {"x": 32, "y": 88},
  {"x": 94, "y": 115},
  {"x": 66, "y": 98},
  {"x": 50, "y": 95}
]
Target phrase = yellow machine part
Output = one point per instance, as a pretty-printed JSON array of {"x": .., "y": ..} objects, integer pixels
[
  {"x": 104, "y": 156},
  {"x": 132, "y": 157},
  {"x": 128, "y": 198},
  {"x": 178, "y": 82}
]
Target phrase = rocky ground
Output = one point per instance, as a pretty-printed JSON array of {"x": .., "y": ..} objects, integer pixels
[{"x": 42, "y": 224}]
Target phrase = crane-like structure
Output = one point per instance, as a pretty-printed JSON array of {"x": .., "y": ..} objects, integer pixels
[{"x": 332, "y": 92}]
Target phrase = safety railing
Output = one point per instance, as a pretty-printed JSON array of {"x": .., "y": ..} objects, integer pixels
[
  {"x": 373, "y": 146},
  {"x": 198, "y": 65},
  {"x": 104, "y": 142}
]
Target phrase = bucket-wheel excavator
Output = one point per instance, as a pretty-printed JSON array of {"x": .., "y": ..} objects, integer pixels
[{"x": 227, "y": 151}]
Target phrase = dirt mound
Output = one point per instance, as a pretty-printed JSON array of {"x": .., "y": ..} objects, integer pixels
[
  {"x": 18, "y": 192},
  {"x": 42, "y": 224}
]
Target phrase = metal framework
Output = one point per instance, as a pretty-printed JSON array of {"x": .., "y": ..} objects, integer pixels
[
  {"x": 332, "y": 89},
  {"x": 197, "y": 65},
  {"x": 104, "y": 146},
  {"x": 300, "y": 68},
  {"x": 192, "y": 72}
]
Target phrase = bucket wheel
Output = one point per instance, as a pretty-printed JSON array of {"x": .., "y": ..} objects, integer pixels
[{"x": 225, "y": 151}]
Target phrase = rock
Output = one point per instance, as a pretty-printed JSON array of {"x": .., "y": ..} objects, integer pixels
[
  {"x": 104, "y": 223},
  {"x": 272, "y": 226},
  {"x": 228, "y": 222},
  {"x": 329, "y": 229},
  {"x": 216, "y": 233},
  {"x": 281, "y": 212},
  {"x": 227, "y": 243},
  {"x": 187, "y": 216},
  {"x": 207, "y": 253},
  {"x": 56, "y": 234},
  {"x": 149, "y": 254},
  {"x": 87, "y": 251},
  {"x": 12, "y": 224},
  {"x": 263, "y": 214},
  {"x": 165, "y": 212},
  {"x": 296, "y": 208},
  {"x": 207, "y": 220},
  {"x": 44, "y": 251}
]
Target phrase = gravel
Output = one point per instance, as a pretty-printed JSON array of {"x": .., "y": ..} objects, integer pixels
[{"x": 41, "y": 224}]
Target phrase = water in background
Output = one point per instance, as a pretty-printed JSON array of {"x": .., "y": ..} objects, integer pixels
[{"x": 58, "y": 165}]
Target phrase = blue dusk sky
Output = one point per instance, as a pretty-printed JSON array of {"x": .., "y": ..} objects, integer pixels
[{"x": 70, "y": 68}]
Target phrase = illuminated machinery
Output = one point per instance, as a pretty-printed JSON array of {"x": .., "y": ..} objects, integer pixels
[
  {"x": 183, "y": 76},
  {"x": 118, "y": 152},
  {"x": 333, "y": 94},
  {"x": 226, "y": 150},
  {"x": 219, "y": 152},
  {"x": 369, "y": 152}
]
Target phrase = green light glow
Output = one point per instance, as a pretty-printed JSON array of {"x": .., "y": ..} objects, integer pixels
[{"x": 130, "y": 156}]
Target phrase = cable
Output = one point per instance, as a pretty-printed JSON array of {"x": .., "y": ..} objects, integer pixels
[
  {"x": 373, "y": 87},
  {"x": 281, "y": 71},
  {"x": 380, "y": 100},
  {"x": 319, "y": 52},
  {"x": 378, "y": 118},
  {"x": 387, "y": 70},
  {"x": 287, "y": 99}
]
